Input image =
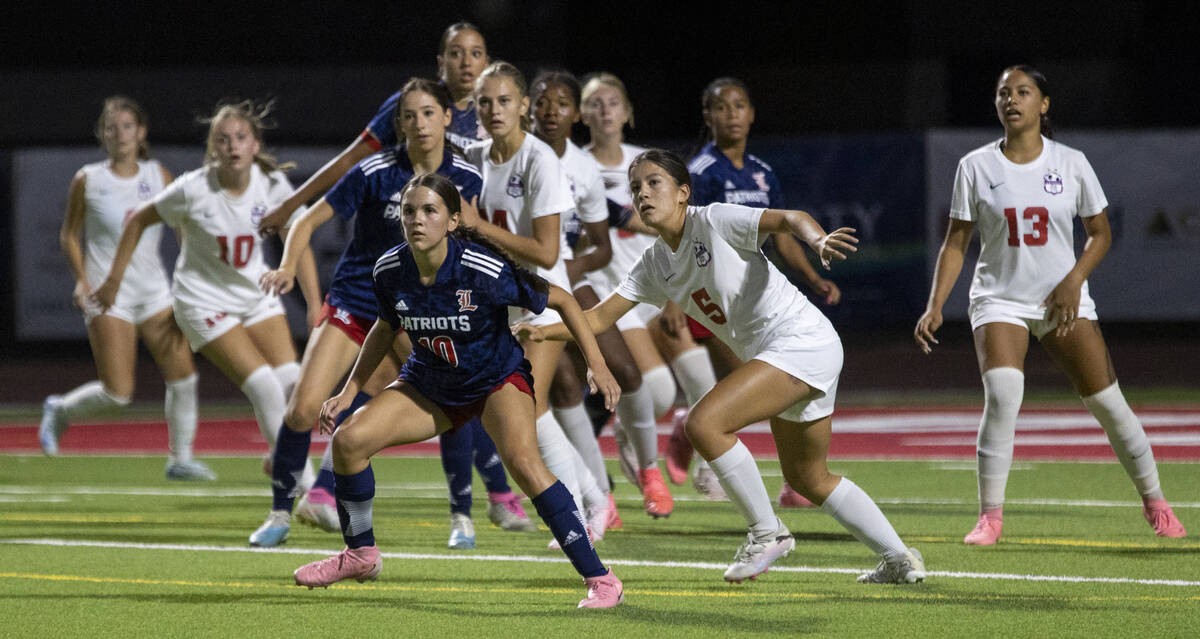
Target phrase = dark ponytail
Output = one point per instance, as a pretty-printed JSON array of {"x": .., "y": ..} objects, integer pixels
[{"x": 1046, "y": 126}]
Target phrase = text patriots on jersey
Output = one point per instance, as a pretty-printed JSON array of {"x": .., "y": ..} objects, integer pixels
[
  {"x": 448, "y": 323},
  {"x": 392, "y": 211}
]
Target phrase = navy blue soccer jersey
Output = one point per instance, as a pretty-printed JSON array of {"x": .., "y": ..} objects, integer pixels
[
  {"x": 462, "y": 346},
  {"x": 370, "y": 194},
  {"x": 381, "y": 130},
  {"x": 716, "y": 179}
]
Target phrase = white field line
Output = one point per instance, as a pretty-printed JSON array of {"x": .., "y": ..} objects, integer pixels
[
  {"x": 19, "y": 494},
  {"x": 613, "y": 562},
  {"x": 1157, "y": 440}
]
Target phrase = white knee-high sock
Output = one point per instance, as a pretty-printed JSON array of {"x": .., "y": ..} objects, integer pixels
[
  {"x": 578, "y": 427},
  {"x": 694, "y": 370},
  {"x": 636, "y": 412},
  {"x": 1003, "y": 389},
  {"x": 857, "y": 513},
  {"x": 92, "y": 399},
  {"x": 743, "y": 483},
  {"x": 662, "y": 389},
  {"x": 327, "y": 457},
  {"x": 590, "y": 492},
  {"x": 287, "y": 374},
  {"x": 556, "y": 454},
  {"x": 1128, "y": 439},
  {"x": 266, "y": 397},
  {"x": 179, "y": 404}
]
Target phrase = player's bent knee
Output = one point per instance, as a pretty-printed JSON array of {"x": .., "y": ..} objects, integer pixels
[
  {"x": 302, "y": 413},
  {"x": 627, "y": 374}
]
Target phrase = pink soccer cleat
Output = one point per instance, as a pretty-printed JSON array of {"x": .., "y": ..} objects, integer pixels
[
  {"x": 655, "y": 496},
  {"x": 1162, "y": 519},
  {"x": 318, "y": 508},
  {"x": 361, "y": 564},
  {"x": 614, "y": 518},
  {"x": 789, "y": 498},
  {"x": 987, "y": 529},
  {"x": 505, "y": 511},
  {"x": 679, "y": 449},
  {"x": 605, "y": 591}
]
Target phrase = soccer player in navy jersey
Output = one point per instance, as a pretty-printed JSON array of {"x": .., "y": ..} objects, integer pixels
[{"x": 451, "y": 295}]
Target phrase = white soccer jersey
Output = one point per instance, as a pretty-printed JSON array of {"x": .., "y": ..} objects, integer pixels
[
  {"x": 721, "y": 278},
  {"x": 221, "y": 259},
  {"x": 529, "y": 185},
  {"x": 110, "y": 200},
  {"x": 1024, "y": 213},
  {"x": 627, "y": 247},
  {"x": 587, "y": 189}
]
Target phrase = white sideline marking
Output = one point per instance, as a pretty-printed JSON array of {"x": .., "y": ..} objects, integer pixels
[{"x": 613, "y": 562}]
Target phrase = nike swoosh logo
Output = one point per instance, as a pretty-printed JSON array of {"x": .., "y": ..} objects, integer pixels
[
  {"x": 668, "y": 278},
  {"x": 994, "y": 186}
]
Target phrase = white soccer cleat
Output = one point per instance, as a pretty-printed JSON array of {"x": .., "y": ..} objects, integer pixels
[
  {"x": 757, "y": 554},
  {"x": 190, "y": 470},
  {"x": 52, "y": 426},
  {"x": 908, "y": 570},
  {"x": 274, "y": 530},
  {"x": 318, "y": 509},
  {"x": 462, "y": 532},
  {"x": 705, "y": 481},
  {"x": 626, "y": 455}
]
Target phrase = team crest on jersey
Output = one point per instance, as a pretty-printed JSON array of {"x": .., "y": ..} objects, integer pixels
[
  {"x": 464, "y": 301},
  {"x": 515, "y": 187},
  {"x": 392, "y": 211},
  {"x": 760, "y": 179},
  {"x": 1052, "y": 182},
  {"x": 257, "y": 213},
  {"x": 143, "y": 190},
  {"x": 703, "y": 257}
]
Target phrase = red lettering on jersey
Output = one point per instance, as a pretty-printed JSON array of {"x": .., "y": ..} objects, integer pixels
[
  {"x": 709, "y": 307},
  {"x": 464, "y": 301},
  {"x": 442, "y": 346},
  {"x": 500, "y": 218},
  {"x": 1041, "y": 226},
  {"x": 243, "y": 247}
]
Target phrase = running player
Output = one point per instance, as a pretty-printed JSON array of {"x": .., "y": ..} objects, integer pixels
[
  {"x": 218, "y": 304},
  {"x": 556, "y": 99},
  {"x": 369, "y": 194},
  {"x": 1024, "y": 190},
  {"x": 101, "y": 196},
  {"x": 724, "y": 172},
  {"x": 708, "y": 261},
  {"x": 451, "y": 294},
  {"x": 525, "y": 194}
]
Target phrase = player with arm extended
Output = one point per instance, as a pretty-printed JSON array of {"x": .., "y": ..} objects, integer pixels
[
  {"x": 101, "y": 197},
  {"x": 708, "y": 260},
  {"x": 1023, "y": 191},
  {"x": 556, "y": 97},
  {"x": 218, "y": 304},
  {"x": 451, "y": 293}
]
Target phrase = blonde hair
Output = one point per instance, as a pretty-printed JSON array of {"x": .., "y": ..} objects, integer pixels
[
  {"x": 116, "y": 103},
  {"x": 503, "y": 69},
  {"x": 252, "y": 114},
  {"x": 599, "y": 79}
]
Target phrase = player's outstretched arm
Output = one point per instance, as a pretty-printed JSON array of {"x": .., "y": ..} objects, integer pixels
[
  {"x": 599, "y": 318},
  {"x": 106, "y": 294},
  {"x": 828, "y": 246},
  {"x": 597, "y": 236},
  {"x": 375, "y": 347},
  {"x": 315, "y": 185},
  {"x": 792, "y": 252},
  {"x": 949, "y": 264},
  {"x": 281, "y": 279},
  {"x": 541, "y": 249},
  {"x": 599, "y": 377}
]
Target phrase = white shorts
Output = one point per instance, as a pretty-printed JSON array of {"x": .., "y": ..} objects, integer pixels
[
  {"x": 817, "y": 366},
  {"x": 203, "y": 325},
  {"x": 136, "y": 313},
  {"x": 545, "y": 318},
  {"x": 638, "y": 317},
  {"x": 987, "y": 311}
]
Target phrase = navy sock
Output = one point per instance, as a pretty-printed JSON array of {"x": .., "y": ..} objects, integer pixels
[
  {"x": 487, "y": 460},
  {"x": 556, "y": 507},
  {"x": 325, "y": 475},
  {"x": 359, "y": 399},
  {"x": 354, "y": 496},
  {"x": 291, "y": 454},
  {"x": 456, "y": 463}
]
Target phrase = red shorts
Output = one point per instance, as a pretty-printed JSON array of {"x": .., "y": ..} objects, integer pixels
[
  {"x": 354, "y": 326},
  {"x": 461, "y": 414},
  {"x": 697, "y": 329}
]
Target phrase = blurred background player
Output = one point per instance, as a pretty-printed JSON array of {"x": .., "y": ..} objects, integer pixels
[
  {"x": 218, "y": 303},
  {"x": 369, "y": 195},
  {"x": 451, "y": 294},
  {"x": 1024, "y": 191},
  {"x": 102, "y": 195},
  {"x": 525, "y": 195},
  {"x": 708, "y": 260}
]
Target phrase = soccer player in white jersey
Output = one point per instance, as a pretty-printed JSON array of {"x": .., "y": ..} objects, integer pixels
[
  {"x": 1024, "y": 191},
  {"x": 556, "y": 98},
  {"x": 101, "y": 197},
  {"x": 525, "y": 195},
  {"x": 708, "y": 261},
  {"x": 218, "y": 303}
]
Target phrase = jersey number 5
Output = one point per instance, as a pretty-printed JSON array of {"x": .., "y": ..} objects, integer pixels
[
  {"x": 1041, "y": 221},
  {"x": 442, "y": 346},
  {"x": 243, "y": 246},
  {"x": 708, "y": 307}
]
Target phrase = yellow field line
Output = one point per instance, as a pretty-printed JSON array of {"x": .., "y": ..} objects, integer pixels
[
  {"x": 1074, "y": 543},
  {"x": 911, "y": 594}
]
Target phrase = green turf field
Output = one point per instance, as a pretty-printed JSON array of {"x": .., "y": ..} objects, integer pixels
[{"x": 116, "y": 567}]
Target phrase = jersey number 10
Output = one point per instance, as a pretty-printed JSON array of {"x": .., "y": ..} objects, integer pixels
[
  {"x": 442, "y": 346},
  {"x": 243, "y": 247},
  {"x": 1041, "y": 221}
]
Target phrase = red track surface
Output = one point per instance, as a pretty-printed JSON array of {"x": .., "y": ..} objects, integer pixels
[{"x": 905, "y": 433}]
